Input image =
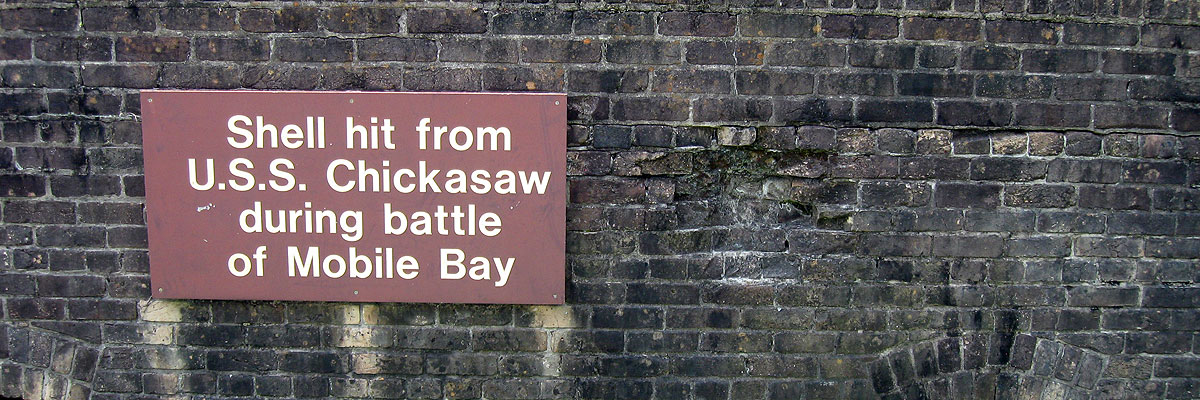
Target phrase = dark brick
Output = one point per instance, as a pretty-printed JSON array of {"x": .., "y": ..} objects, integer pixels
[
  {"x": 130, "y": 76},
  {"x": 1100, "y": 34},
  {"x": 725, "y": 53},
  {"x": 1013, "y": 86},
  {"x": 1115, "y": 198},
  {"x": 717, "y": 109},
  {"x": 958, "y": 29},
  {"x": 36, "y": 308},
  {"x": 198, "y": 18},
  {"x": 935, "y": 85},
  {"x": 627, "y": 317},
  {"x": 15, "y": 49},
  {"x": 1062, "y": 61},
  {"x": 85, "y": 185},
  {"x": 1185, "y": 119},
  {"x": 522, "y": 79},
  {"x": 85, "y": 48},
  {"x": 315, "y": 50},
  {"x": 691, "y": 81},
  {"x": 50, "y": 158},
  {"x": 356, "y": 19},
  {"x": 873, "y": 84},
  {"x": 556, "y": 51},
  {"x": 696, "y": 24},
  {"x": 480, "y": 50},
  {"x": 1171, "y": 36},
  {"x": 41, "y": 19},
  {"x": 650, "y": 108},
  {"x": 396, "y": 49},
  {"x": 860, "y": 27},
  {"x": 312, "y": 362},
  {"x": 778, "y": 25},
  {"x": 773, "y": 83},
  {"x": 442, "y": 20},
  {"x": 1131, "y": 117},
  {"x": 1053, "y": 115},
  {"x": 973, "y": 113},
  {"x": 634, "y": 51},
  {"x": 1122, "y": 62},
  {"x": 889, "y": 56},
  {"x": 201, "y": 76},
  {"x": 1009, "y": 31},
  {"x": 937, "y": 57},
  {"x": 808, "y": 54},
  {"x": 1039, "y": 196},
  {"x": 963, "y": 195},
  {"x": 148, "y": 48},
  {"x": 21, "y": 103},
  {"x": 244, "y": 360},
  {"x": 442, "y": 79},
  {"x": 41, "y": 212},
  {"x": 613, "y": 23},
  {"x": 22, "y": 76},
  {"x": 990, "y": 58},
  {"x": 130, "y": 18},
  {"x": 895, "y": 111},
  {"x": 1091, "y": 89},
  {"x": 1007, "y": 169},
  {"x": 286, "y": 19},
  {"x": 608, "y": 81}
]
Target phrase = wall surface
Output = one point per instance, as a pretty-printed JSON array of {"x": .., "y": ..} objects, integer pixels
[{"x": 814, "y": 199}]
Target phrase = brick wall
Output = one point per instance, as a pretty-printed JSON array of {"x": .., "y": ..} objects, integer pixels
[{"x": 821, "y": 198}]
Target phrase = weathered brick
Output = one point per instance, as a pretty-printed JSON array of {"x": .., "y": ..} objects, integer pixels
[
  {"x": 1170, "y": 36},
  {"x": 85, "y": 48},
  {"x": 778, "y": 25},
  {"x": 396, "y": 49},
  {"x": 650, "y": 108},
  {"x": 691, "y": 81},
  {"x": 1006, "y": 86},
  {"x": 887, "y": 56},
  {"x": 1100, "y": 34},
  {"x": 894, "y": 111},
  {"x": 872, "y": 84},
  {"x": 1122, "y": 62},
  {"x": 696, "y": 24},
  {"x": 717, "y": 109},
  {"x": 148, "y": 48},
  {"x": 802, "y": 53},
  {"x": 41, "y": 19},
  {"x": 725, "y": 53},
  {"x": 614, "y": 23},
  {"x": 935, "y": 85},
  {"x": 990, "y": 58},
  {"x": 937, "y": 56},
  {"x": 1056, "y": 60},
  {"x": 358, "y": 19},
  {"x": 637, "y": 51},
  {"x": 860, "y": 27},
  {"x": 440, "y": 20},
  {"x": 1053, "y": 115},
  {"x": 1010, "y": 31},
  {"x": 958, "y": 29},
  {"x": 560, "y": 51},
  {"x": 198, "y": 19}
]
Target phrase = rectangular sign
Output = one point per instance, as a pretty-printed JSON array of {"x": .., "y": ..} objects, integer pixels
[{"x": 356, "y": 196}]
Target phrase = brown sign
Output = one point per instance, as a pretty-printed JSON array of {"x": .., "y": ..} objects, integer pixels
[{"x": 354, "y": 196}]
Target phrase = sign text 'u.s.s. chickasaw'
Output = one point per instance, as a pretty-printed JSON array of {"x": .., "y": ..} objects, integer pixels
[{"x": 356, "y": 196}]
